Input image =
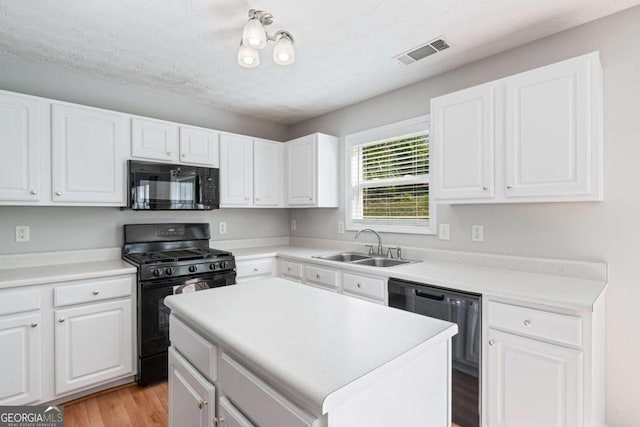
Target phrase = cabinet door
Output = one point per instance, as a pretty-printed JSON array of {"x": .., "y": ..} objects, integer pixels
[
  {"x": 93, "y": 344},
  {"x": 236, "y": 170},
  {"x": 22, "y": 129},
  {"x": 549, "y": 130},
  {"x": 21, "y": 367},
  {"x": 199, "y": 146},
  {"x": 191, "y": 396},
  {"x": 301, "y": 171},
  {"x": 532, "y": 383},
  {"x": 462, "y": 144},
  {"x": 88, "y": 155},
  {"x": 154, "y": 140},
  {"x": 230, "y": 416},
  {"x": 268, "y": 172}
]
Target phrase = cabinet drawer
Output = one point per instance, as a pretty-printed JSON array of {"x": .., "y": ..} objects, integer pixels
[
  {"x": 199, "y": 352},
  {"x": 291, "y": 269},
  {"x": 259, "y": 402},
  {"x": 230, "y": 414},
  {"x": 536, "y": 323},
  {"x": 254, "y": 267},
  {"x": 321, "y": 276},
  {"x": 19, "y": 302},
  {"x": 92, "y": 291},
  {"x": 366, "y": 286}
]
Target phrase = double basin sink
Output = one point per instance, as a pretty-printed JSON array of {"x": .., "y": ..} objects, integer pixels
[{"x": 363, "y": 259}]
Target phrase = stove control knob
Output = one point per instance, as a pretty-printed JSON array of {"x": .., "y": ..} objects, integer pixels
[
  {"x": 170, "y": 271},
  {"x": 223, "y": 265},
  {"x": 157, "y": 272},
  {"x": 212, "y": 266},
  {"x": 193, "y": 268}
]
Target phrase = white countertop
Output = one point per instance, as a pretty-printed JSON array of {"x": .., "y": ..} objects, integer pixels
[
  {"x": 36, "y": 275},
  {"x": 311, "y": 343},
  {"x": 558, "y": 291}
]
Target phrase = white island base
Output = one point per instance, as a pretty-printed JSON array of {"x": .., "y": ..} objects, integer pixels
[{"x": 273, "y": 353}]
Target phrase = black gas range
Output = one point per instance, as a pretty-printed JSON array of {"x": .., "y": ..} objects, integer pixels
[{"x": 171, "y": 259}]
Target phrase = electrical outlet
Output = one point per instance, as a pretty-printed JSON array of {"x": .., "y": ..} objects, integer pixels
[
  {"x": 222, "y": 227},
  {"x": 477, "y": 233},
  {"x": 293, "y": 224},
  {"x": 22, "y": 233},
  {"x": 443, "y": 232},
  {"x": 341, "y": 227}
]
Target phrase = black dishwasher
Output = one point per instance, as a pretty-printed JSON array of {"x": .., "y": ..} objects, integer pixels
[{"x": 463, "y": 309}]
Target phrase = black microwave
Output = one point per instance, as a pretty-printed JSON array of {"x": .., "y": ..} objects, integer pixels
[{"x": 163, "y": 186}]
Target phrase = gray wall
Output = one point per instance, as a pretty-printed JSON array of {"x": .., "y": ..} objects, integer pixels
[
  {"x": 68, "y": 228},
  {"x": 606, "y": 231}
]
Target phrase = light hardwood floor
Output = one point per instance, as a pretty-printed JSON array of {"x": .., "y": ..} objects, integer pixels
[{"x": 124, "y": 406}]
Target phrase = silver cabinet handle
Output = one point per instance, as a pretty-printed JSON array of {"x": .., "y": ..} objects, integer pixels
[
  {"x": 215, "y": 422},
  {"x": 222, "y": 421},
  {"x": 311, "y": 198},
  {"x": 34, "y": 192},
  {"x": 359, "y": 285},
  {"x": 492, "y": 343},
  {"x": 485, "y": 188},
  {"x": 288, "y": 268},
  {"x": 255, "y": 269},
  {"x": 34, "y": 324},
  {"x": 184, "y": 155},
  {"x": 202, "y": 404},
  {"x": 169, "y": 153},
  {"x": 317, "y": 276},
  {"x": 96, "y": 292},
  {"x": 509, "y": 187},
  {"x": 61, "y": 320},
  {"x": 527, "y": 323},
  {"x": 257, "y": 199},
  {"x": 246, "y": 198},
  {"x": 58, "y": 193}
]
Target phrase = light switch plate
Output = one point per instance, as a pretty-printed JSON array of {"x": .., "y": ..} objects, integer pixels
[
  {"x": 340, "y": 227},
  {"x": 443, "y": 231},
  {"x": 293, "y": 224},
  {"x": 222, "y": 227},
  {"x": 477, "y": 233},
  {"x": 22, "y": 233}
]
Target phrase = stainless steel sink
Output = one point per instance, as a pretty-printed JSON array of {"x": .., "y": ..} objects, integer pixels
[
  {"x": 344, "y": 257},
  {"x": 382, "y": 262},
  {"x": 362, "y": 259}
]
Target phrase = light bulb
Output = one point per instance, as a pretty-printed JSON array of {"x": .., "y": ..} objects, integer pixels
[
  {"x": 254, "y": 34},
  {"x": 248, "y": 57},
  {"x": 283, "y": 52}
]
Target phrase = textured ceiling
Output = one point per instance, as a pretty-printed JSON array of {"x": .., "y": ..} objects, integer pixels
[{"x": 344, "y": 48}]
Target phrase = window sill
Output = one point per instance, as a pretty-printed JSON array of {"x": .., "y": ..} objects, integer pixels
[{"x": 393, "y": 228}]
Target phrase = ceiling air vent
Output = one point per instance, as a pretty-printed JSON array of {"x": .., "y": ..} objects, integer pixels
[{"x": 422, "y": 51}]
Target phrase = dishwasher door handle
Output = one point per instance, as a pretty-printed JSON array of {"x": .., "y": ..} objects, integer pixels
[{"x": 429, "y": 296}]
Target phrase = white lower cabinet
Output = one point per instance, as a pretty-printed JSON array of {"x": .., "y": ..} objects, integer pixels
[
  {"x": 230, "y": 416},
  {"x": 253, "y": 269},
  {"x": 93, "y": 343},
  {"x": 21, "y": 367},
  {"x": 532, "y": 383},
  {"x": 191, "y": 396}
]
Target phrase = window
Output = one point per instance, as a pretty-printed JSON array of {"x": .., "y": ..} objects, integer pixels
[{"x": 388, "y": 178}]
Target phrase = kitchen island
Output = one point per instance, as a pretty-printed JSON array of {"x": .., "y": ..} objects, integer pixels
[{"x": 275, "y": 353}]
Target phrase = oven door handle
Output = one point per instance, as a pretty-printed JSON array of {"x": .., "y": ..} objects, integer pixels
[{"x": 421, "y": 294}]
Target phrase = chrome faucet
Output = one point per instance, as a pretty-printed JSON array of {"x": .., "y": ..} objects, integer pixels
[{"x": 377, "y": 235}]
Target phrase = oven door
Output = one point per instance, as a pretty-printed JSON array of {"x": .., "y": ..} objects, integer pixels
[
  {"x": 153, "y": 315},
  {"x": 161, "y": 186}
]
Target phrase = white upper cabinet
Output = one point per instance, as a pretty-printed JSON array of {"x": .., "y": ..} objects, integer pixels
[
  {"x": 236, "y": 170},
  {"x": 23, "y": 128},
  {"x": 462, "y": 149},
  {"x": 531, "y": 137},
  {"x": 88, "y": 155},
  {"x": 312, "y": 171},
  {"x": 154, "y": 140},
  {"x": 199, "y": 146},
  {"x": 549, "y": 135},
  {"x": 267, "y": 173}
]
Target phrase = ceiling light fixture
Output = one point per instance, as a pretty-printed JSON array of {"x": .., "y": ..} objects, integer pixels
[{"x": 255, "y": 37}]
